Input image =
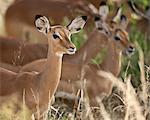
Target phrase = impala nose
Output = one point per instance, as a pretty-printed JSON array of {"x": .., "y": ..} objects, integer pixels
[
  {"x": 71, "y": 50},
  {"x": 131, "y": 49}
]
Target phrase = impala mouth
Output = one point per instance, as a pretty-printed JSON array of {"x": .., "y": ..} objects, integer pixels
[{"x": 71, "y": 50}]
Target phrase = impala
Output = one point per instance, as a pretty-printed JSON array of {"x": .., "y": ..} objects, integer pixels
[
  {"x": 43, "y": 84},
  {"x": 110, "y": 35}
]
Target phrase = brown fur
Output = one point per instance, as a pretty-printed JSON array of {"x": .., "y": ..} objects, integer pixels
[{"x": 43, "y": 85}]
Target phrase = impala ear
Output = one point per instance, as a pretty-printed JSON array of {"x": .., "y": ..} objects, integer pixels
[
  {"x": 123, "y": 21},
  {"x": 77, "y": 24},
  {"x": 118, "y": 15},
  {"x": 103, "y": 10},
  {"x": 42, "y": 24},
  {"x": 102, "y": 25}
]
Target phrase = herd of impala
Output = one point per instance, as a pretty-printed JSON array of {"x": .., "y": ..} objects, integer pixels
[{"x": 37, "y": 68}]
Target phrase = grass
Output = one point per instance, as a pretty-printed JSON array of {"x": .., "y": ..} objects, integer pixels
[{"x": 12, "y": 110}]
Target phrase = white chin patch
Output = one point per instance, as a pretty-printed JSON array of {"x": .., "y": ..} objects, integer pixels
[
  {"x": 70, "y": 53},
  {"x": 127, "y": 53}
]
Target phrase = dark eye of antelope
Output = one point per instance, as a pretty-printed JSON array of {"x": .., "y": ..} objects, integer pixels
[
  {"x": 117, "y": 38},
  {"x": 55, "y": 36}
]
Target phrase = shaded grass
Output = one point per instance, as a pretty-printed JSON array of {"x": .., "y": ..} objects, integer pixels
[{"x": 11, "y": 109}]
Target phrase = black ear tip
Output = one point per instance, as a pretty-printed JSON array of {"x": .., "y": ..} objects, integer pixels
[
  {"x": 97, "y": 18},
  {"x": 84, "y": 18},
  {"x": 38, "y": 16},
  {"x": 123, "y": 17},
  {"x": 102, "y": 3}
]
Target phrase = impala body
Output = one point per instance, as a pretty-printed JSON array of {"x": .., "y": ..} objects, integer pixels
[{"x": 40, "y": 87}]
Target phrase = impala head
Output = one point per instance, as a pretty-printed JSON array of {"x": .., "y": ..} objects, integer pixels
[
  {"x": 59, "y": 36},
  {"x": 114, "y": 29}
]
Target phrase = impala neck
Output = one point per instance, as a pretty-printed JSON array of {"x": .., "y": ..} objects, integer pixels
[
  {"x": 51, "y": 75},
  {"x": 90, "y": 49},
  {"x": 112, "y": 60}
]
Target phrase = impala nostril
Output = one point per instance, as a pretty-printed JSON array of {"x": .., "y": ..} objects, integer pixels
[
  {"x": 71, "y": 49},
  {"x": 131, "y": 49}
]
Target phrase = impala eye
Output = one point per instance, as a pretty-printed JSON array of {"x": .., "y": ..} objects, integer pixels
[
  {"x": 117, "y": 38},
  {"x": 55, "y": 36}
]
